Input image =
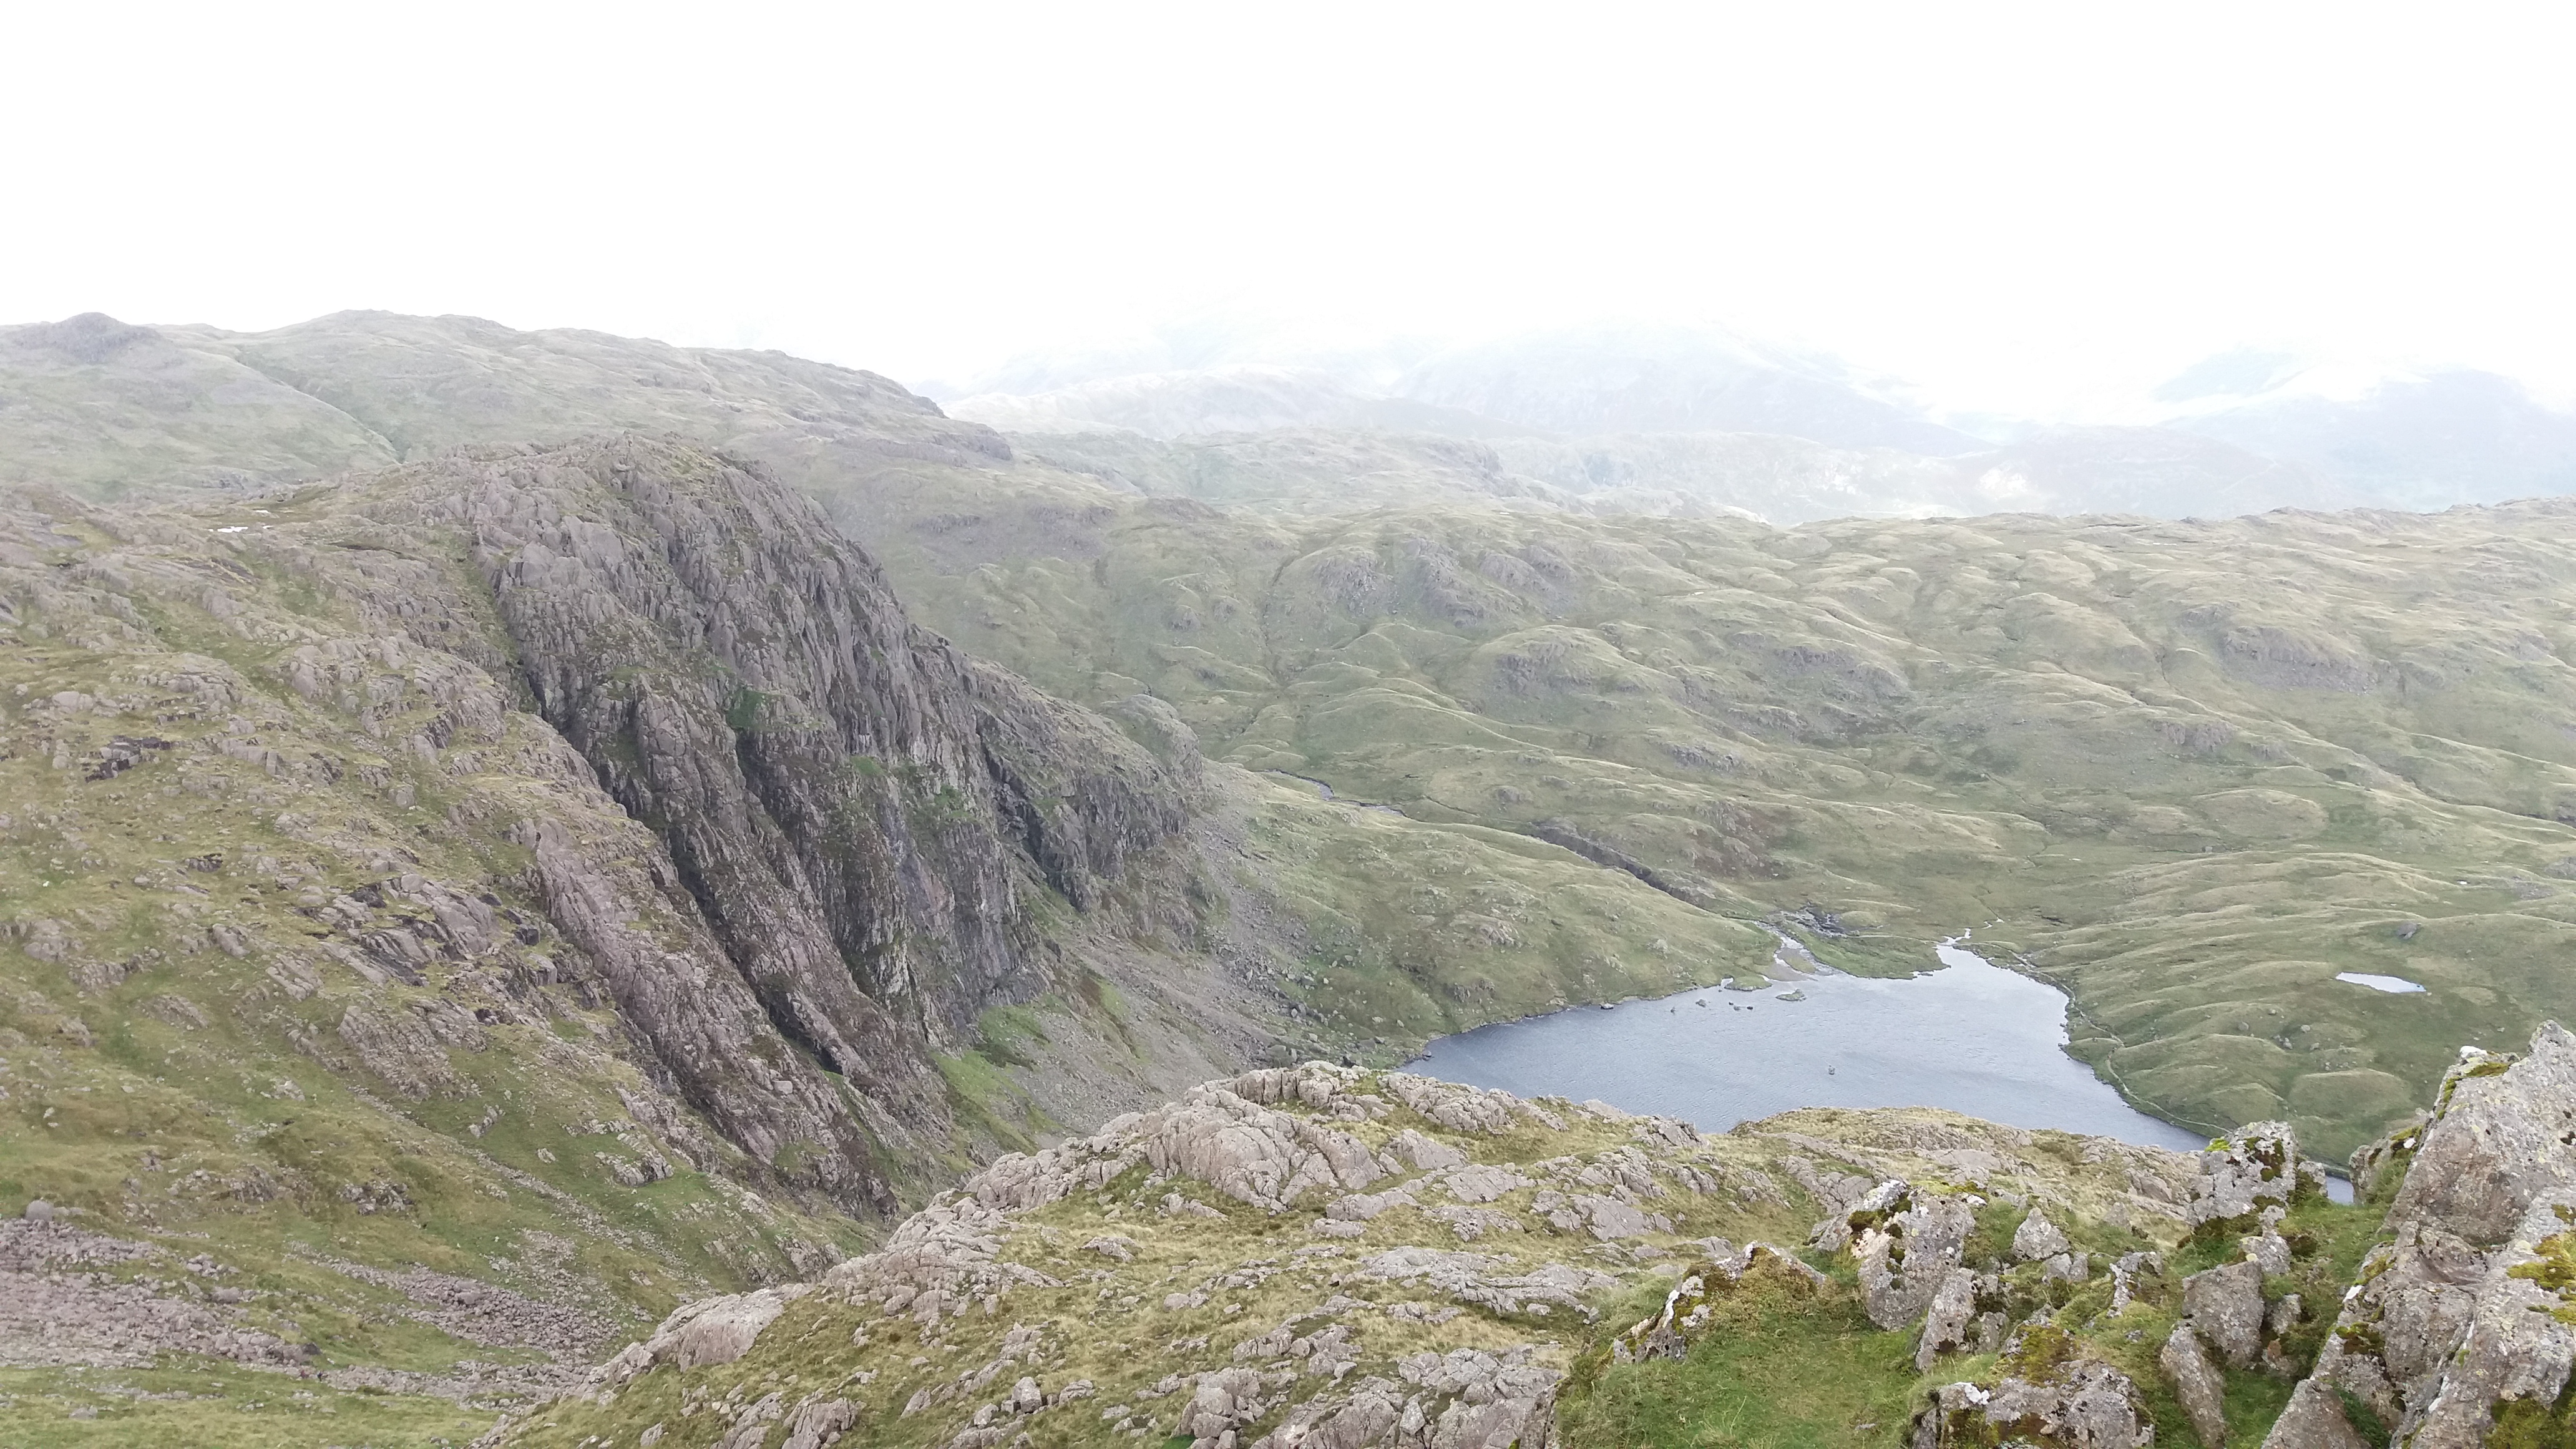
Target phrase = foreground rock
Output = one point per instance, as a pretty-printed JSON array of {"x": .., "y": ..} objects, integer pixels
[
  {"x": 1326, "y": 1256},
  {"x": 2461, "y": 1324}
]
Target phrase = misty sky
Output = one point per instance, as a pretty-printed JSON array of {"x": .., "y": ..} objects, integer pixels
[{"x": 2025, "y": 208}]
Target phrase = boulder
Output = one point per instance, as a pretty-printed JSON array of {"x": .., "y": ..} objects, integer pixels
[
  {"x": 2038, "y": 1238},
  {"x": 2226, "y": 1306},
  {"x": 1949, "y": 1323},
  {"x": 2197, "y": 1383},
  {"x": 717, "y": 1330},
  {"x": 2241, "y": 1176},
  {"x": 1906, "y": 1249},
  {"x": 2268, "y": 1250}
]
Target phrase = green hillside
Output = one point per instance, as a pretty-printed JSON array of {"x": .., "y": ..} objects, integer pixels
[{"x": 2189, "y": 770}]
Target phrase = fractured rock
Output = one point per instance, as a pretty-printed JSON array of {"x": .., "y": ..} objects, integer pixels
[{"x": 2241, "y": 1176}]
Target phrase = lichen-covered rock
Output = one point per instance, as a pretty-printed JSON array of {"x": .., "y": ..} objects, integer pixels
[
  {"x": 2046, "y": 1395},
  {"x": 1949, "y": 1324},
  {"x": 1906, "y": 1242},
  {"x": 2240, "y": 1176},
  {"x": 2521, "y": 1340},
  {"x": 2226, "y": 1305},
  {"x": 2439, "y": 1337}
]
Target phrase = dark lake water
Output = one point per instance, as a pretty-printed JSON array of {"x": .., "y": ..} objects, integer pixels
[{"x": 1971, "y": 1037}]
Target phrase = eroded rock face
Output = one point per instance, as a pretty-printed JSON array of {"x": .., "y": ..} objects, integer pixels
[{"x": 2439, "y": 1340}]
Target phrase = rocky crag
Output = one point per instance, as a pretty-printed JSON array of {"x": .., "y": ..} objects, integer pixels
[{"x": 1323, "y": 1257}]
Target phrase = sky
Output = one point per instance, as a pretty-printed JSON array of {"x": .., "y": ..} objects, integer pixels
[{"x": 2036, "y": 209}]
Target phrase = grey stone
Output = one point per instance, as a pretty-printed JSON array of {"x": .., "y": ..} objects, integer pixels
[
  {"x": 2038, "y": 1238},
  {"x": 1947, "y": 1323},
  {"x": 2197, "y": 1383},
  {"x": 2269, "y": 1251},
  {"x": 2084, "y": 1405},
  {"x": 2258, "y": 1168},
  {"x": 2226, "y": 1305},
  {"x": 2314, "y": 1420},
  {"x": 2439, "y": 1331},
  {"x": 1906, "y": 1252}
]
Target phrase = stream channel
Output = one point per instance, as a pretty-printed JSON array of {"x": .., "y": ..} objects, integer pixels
[{"x": 1971, "y": 1037}]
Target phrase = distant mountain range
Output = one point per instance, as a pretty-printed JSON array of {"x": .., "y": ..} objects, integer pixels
[{"x": 1663, "y": 421}]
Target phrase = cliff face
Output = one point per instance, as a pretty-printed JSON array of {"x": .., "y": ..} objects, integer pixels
[{"x": 859, "y": 813}]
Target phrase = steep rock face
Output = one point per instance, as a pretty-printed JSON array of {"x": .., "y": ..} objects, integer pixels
[
  {"x": 858, "y": 815},
  {"x": 2461, "y": 1322},
  {"x": 844, "y": 794}
]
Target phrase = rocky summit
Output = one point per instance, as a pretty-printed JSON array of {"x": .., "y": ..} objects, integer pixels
[{"x": 1325, "y": 1257}]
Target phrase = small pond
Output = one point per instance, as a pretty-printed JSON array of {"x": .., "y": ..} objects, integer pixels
[
  {"x": 2393, "y": 985},
  {"x": 1971, "y": 1037}
]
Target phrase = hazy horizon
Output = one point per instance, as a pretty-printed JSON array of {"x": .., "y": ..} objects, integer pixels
[{"x": 2019, "y": 210}]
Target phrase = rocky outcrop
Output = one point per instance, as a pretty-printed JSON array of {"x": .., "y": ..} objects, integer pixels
[
  {"x": 1907, "y": 1242},
  {"x": 2225, "y": 1306},
  {"x": 2460, "y": 1322},
  {"x": 1333, "y": 1190},
  {"x": 2045, "y": 1394},
  {"x": 2258, "y": 1168}
]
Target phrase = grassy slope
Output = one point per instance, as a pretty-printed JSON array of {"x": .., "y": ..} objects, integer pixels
[{"x": 177, "y": 1048}]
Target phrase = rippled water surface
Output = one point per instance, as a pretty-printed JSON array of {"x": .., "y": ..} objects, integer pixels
[{"x": 1971, "y": 1037}]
